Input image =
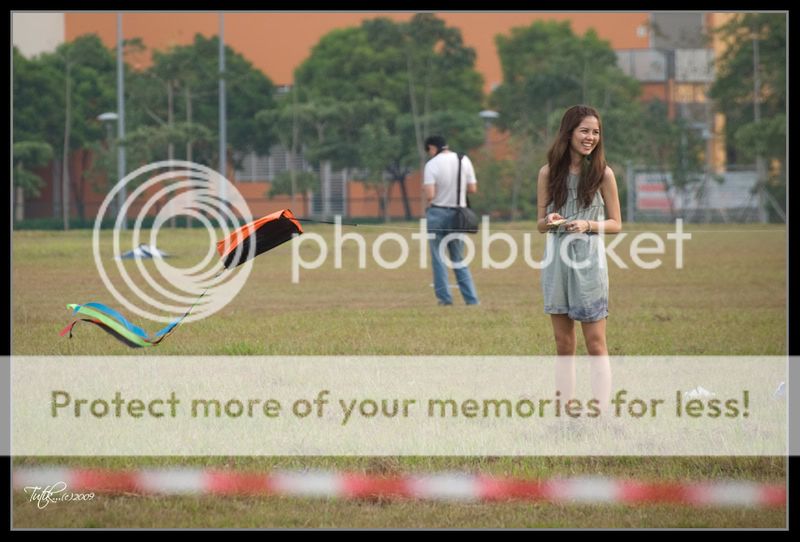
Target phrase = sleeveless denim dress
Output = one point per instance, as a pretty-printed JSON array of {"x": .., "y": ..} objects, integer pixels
[{"x": 575, "y": 272}]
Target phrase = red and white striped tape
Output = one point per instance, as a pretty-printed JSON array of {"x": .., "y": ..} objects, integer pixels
[{"x": 439, "y": 487}]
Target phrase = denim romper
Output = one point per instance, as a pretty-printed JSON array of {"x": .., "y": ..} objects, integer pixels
[{"x": 576, "y": 284}]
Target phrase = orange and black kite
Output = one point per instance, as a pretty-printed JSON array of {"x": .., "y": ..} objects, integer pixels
[{"x": 242, "y": 245}]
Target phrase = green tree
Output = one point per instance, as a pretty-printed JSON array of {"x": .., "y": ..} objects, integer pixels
[
  {"x": 496, "y": 177},
  {"x": 379, "y": 146},
  {"x": 302, "y": 126},
  {"x": 36, "y": 113},
  {"x": 548, "y": 68},
  {"x": 671, "y": 146},
  {"x": 734, "y": 93},
  {"x": 183, "y": 83},
  {"x": 174, "y": 106},
  {"x": 27, "y": 155},
  {"x": 283, "y": 123},
  {"x": 406, "y": 81},
  {"x": 37, "y": 107},
  {"x": 57, "y": 98},
  {"x": 292, "y": 182},
  {"x": 88, "y": 68}
]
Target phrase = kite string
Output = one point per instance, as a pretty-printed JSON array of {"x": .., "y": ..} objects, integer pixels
[
  {"x": 325, "y": 221},
  {"x": 504, "y": 230},
  {"x": 516, "y": 230}
]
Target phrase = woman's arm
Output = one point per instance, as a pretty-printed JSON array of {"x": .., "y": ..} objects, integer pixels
[
  {"x": 613, "y": 221},
  {"x": 542, "y": 195}
]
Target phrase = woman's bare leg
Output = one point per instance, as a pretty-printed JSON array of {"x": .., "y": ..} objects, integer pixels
[
  {"x": 564, "y": 331},
  {"x": 595, "y": 335}
]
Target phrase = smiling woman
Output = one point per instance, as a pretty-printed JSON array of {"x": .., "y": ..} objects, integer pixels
[{"x": 577, "y": 196}]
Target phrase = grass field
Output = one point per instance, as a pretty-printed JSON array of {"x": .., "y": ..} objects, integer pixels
[{"x": 729, "y": 299}]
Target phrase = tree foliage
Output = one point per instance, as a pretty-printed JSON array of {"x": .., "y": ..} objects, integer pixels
[
  {"x": 29, "y": 155},
  {"x": 734, "y": 90},
  {"x": 39, "y": 93},
  {"x": 546, "y": 69},
  {"x": 734, "y": 86},
  {"x": 37, "y": 100},
  {"x": 57, "y": 99},
  {"x": 176, "y": 101},
  {"x": 395, "y": 84},
  {"x": 171, "y": 105}
]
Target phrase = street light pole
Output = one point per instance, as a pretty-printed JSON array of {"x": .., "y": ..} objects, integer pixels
[
  {"x": 222, "y": 113},
  {"x": 107, "y": 119},
  {"x": 120, "y": 120},
  {"x": 760, "y": 180},
  {"x": 488, "y": 116}
]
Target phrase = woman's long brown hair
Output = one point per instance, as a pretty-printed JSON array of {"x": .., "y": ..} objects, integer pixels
[{"x": 558, "y": 159}]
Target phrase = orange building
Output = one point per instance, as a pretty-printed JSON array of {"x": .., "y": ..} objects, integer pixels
[{"x": 277, "y": 43}]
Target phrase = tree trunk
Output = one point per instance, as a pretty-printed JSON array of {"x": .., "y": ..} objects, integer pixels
[
  {"x": 325, "y": 187},
  {"x": 65, "y": 154},
  {"x": 404, "y": 193},
  {"x": 519, "y": 171},
  {"x": 387, "y": 192},
  {"x": 189, "y": 125},
  {"x": 670, "y": 198},
  {"x": 19, "y": 204},
  {"x": 320, "y": 127},
  {"x": 583, "y": 82},
  {"x": 417, "y": 128},
  {"x": 548, "y": 107},
  {"x": 189, "y": 140},
  {"x": 80, "y": 187},
  {"x": 381, "y": 202},
  {"x": 426, "y": 109},
  {"x": 55, "y": 168},
  {"x": 293, "y": 151},
  {"x": 515, "y": 193},
  {"x": 170, "y": 123}
]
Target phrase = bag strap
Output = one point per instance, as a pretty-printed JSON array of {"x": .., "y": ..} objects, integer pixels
[{"x": 458, "y": 181}]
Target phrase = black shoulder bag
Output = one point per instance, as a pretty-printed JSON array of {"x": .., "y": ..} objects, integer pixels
[{"x": 465, "y": 221}]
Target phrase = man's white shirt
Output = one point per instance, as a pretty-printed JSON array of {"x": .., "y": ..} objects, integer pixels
[{"x": 441, "y": 171}]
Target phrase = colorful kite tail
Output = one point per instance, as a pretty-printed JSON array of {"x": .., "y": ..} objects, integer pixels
[{"x": 116, "y": 325}]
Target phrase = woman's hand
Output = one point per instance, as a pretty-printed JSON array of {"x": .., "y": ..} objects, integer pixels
[
  {"x": 553, "y": 219},
  {"x": 578, "y": 226}
]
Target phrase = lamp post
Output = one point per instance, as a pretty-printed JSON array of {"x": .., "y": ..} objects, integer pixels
[
  {"x": 762, "y": 211},
  {"x": 707, "y": 136},
  {"x": 122, "y": 196},
  {"x": 488, "y": 116},
  {"x": 223, "y": 129},
  {"x": 108, "y": 119}
]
